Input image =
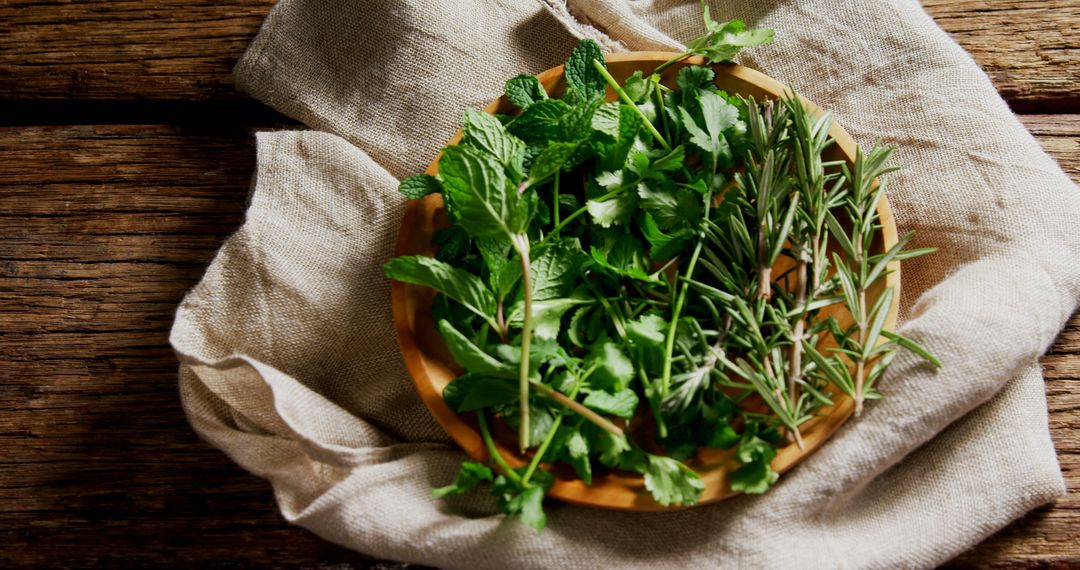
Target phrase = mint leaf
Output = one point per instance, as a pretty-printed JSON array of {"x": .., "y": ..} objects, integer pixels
[
  {"x": 579, "y": 71},
  {"x": 524, "y": 90},
  {"x": 470, "y": 475},
  {"x": 503, "y": 272},
  {"x": 470, "y": 392},
  {"x": 419, "y": 185},
  {"x": 457, "y": 284},
  {"x": 671, "y": 482},
  {"x": 622, "y": 403},
  {"x": 606, "y": 120},
  {"x": 476, "y": 190},
  {"x": 547, "y": 314},
  {"x": 471, "y": 357},
  {"x": 556, "y": 269},
  {"x": 541, "y": 122},
  {"x": 485, "y": 133},
  {"x": 551, "y": 160}
]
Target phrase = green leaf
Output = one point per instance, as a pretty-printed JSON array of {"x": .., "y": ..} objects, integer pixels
[
  {"x": 878, "y": 313},
  {"x": 551, "y": 160},
  {"x": 668, "y": 207},
  {"x": 616, "y": 210},
  {"x": 556, "y": 269},
  {"x": 471, "y": 357},
  {"x": 638, "y": 88},
  {"x": 470, "y": 475},
  {"x": 577, "y": 454},
  {"x": 532, "y": 508},
  {"x": 647, "y": 335},
  {"x": 503, "y": 272},
  {"x": 606, "y": 120},
  {"x": 883, "y": 262},
  {"x": 753, "y": 478},
  {"x": 479, "y": 194},
  {"x": 486, "y": 133},
  {"x": 541, "y": 122},
  {"x": 615, "y": 370},
  {"x": 524, "y": 90},
  {"x": 548, "y": 314},
  {"x": 718, "y": 115},
  {"x": 622, "y": 403},
  {"x": 457, "y": 284},
  {"x": 671, "y": 482},
  {"x": 913, "y": 347},
  {"x": 579, "y": 71},
  {"x": 470, "y": 392},
  {"x": 663, "y": 247},
  {"x": 419, "y": 185}
]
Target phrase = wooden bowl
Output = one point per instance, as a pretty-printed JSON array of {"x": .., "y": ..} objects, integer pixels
[{"x": 432, "y": 367}]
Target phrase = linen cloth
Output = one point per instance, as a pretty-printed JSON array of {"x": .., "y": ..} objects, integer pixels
[{"x": 290, "y": 366}]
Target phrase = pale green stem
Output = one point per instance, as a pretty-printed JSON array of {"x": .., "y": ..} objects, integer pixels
[
  {"x": 626, "y": 99},
  {"x": 521, "y": 244},
  {"x": 493, "y": 452}
]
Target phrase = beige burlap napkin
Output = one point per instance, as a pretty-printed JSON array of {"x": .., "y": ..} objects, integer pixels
[{"x": 290, "y": 366}]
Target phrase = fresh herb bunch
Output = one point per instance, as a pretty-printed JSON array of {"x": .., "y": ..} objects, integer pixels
[{"x": 626, "y": 282}]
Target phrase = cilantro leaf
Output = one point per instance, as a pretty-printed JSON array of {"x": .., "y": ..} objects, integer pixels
[
  {"x": 664, "y": 246},
  {"x": 524, "y": 90},
  {"x": 577, "y": 454},
  {"x": 756, "y": 475},
  {"x": 718, "y": 115},
  {"x": 622, "y": 403},
  {"x": 476, "y": 189},
  {"x": 671, "y": 482},
  {"x": 579, "y": 71},
  {"x": 615, "y": 370},
  {"x": 470, "y": 475},
  {"x": 419, "y": 185},
  {"x": 457, "y": 284},
  {"x": 616, "y": 210}
]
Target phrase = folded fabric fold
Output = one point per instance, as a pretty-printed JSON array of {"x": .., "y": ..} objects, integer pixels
[{"x": 289, "y": 363}]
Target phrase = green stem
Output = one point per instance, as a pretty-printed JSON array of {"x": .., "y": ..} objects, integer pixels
[
  {"x": 493, "y": 452},
  {"x": 560, "y": 225},
  {"x": 680, "y": 300},
  {"x": 556, "y": 200},
  {"x": 595, "y": 418},
  {"x": 677, "y": 58},
  {"x": 554, "y": 428},
  {"x": 521, "y": 244},
  {"x": 626, "y": 99}
]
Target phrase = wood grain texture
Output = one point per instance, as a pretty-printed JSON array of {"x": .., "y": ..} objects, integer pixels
[
  {"x": 1029, "y": 48},
  {"x": 185, "y": 49},
  {"x": 104, "y": 230}
]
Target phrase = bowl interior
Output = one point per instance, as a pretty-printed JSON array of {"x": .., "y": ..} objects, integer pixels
[{"x": 432, "y": 368}]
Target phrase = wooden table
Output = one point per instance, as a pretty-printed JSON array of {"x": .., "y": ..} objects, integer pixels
[{"x": 126, "y": 159}]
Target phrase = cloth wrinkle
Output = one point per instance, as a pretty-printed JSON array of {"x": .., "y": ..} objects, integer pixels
[{"x": 290, "y": 366}]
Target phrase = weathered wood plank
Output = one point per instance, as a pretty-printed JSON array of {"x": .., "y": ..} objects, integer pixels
[
  {"x": 178, "y": 50},
  {"x": 1029, "y": 48},
  {"x": 104, "y": 228}
]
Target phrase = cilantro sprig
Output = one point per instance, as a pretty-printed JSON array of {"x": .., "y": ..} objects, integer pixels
[{"x": 608, "y": 280}]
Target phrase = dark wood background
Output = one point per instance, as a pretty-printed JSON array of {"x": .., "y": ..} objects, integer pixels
[{"x": 125, "y": 160}]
